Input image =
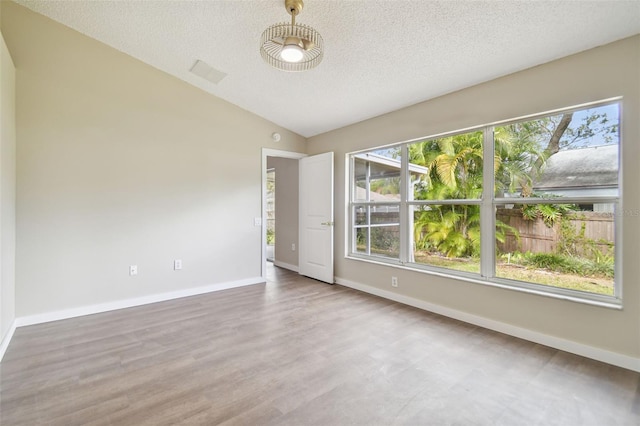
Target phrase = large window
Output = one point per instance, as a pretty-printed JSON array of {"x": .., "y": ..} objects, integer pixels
[{"x": 530, "y": 203}]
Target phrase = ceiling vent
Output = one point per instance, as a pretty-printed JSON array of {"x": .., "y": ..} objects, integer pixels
[{"x": 204, "y": 70}]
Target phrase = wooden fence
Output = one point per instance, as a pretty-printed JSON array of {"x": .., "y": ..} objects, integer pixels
[{"x": 536, "y": 237}]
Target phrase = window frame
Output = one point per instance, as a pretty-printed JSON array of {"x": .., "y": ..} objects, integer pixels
[
  {"x": 368, "y": 205},
  {"x": 488, "y": 203}
]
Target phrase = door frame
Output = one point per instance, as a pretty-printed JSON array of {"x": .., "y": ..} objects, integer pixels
[{"x": 268, "y": 152}]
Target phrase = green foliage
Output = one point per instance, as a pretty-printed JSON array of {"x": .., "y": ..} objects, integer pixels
[
  {"x": 386, "y": 186},
  {"x": 594, "y": 125},
  {"x": 575, "y": 253},
  {"x": 455, "y": 166},
  {"x": 562, "y": 263},
  {"x": 384, "y": 239},
  {"x": 271, "y": 236},
  {"x": 551, "y": 261},
  {"x": 502, "y": 229},
  {"x": 453, "y": 230},
  {"x": 549, "y": 213},
  {"x": 517, "y": 153},
  {"x": 573, "y": 242}
]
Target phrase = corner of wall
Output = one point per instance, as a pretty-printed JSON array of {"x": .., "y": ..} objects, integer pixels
[
  {"x": 6, "y": 339},
  {"x": 7, "y": 197}
]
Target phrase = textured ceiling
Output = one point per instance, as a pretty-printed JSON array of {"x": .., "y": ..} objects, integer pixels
[{"x": 380, "y": 55}]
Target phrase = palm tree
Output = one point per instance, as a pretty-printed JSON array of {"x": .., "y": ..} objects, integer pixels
[
  {"x": 455, "y": 164},
  {"x": 518, "y": 159}
]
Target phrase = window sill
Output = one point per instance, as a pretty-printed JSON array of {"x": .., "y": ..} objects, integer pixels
[{"x": 602, "y": 301}]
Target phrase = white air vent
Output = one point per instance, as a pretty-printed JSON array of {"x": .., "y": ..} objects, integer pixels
[{"x": 207, "y": 72}]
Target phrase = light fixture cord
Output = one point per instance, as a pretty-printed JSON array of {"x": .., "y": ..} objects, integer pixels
[{"x": 293, "y": 19}]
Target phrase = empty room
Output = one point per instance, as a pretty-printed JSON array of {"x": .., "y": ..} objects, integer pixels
[{"x": 319, "y": 212}]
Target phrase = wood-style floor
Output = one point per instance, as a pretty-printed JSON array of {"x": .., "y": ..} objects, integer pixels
[{"x": 298, "y": 352}]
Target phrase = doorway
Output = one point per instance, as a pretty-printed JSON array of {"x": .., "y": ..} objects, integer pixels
[
  {"x": 270, "y": 216},
  {"x": 284, "y": 165}
]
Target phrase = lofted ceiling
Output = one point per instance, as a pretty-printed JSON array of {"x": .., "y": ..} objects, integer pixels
[{"x": 380, "y": 55}]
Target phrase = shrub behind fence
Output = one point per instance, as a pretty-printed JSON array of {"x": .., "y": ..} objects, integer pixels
[{"x": 537, "y": 237}]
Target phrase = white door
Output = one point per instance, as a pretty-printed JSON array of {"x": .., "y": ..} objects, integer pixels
[{"x": 315, "y": 255}]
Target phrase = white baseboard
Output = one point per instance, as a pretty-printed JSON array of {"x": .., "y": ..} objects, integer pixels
[
  {"x": 284, "y": 265},
  {"x": 128, "y": 303},
  {"x": 4, "y": 344},
  {"x": 598, "y": 354}
]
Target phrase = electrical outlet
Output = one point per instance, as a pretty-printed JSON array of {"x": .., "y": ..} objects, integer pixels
[
  {"x": 293, "y": 246},
  {"x": 133, "y": 270},
  {"x": 394, "y": 281},
  {"x": 177, "y": 264},
  {"x": 257, "y": 221}
]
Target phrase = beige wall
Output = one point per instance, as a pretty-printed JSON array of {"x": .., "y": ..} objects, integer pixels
[
  {"x": 604, "y": 72},
  {"x": 286, "y": 209},
  {"x": 7, "y": 190},
  {"x": 118, "y": 164}
]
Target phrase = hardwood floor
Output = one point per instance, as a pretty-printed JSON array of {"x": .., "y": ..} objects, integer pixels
[{"x": 298, "y": 352}]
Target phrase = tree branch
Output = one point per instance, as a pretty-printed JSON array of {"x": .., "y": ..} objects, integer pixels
[{"x": 554, "y": 143}]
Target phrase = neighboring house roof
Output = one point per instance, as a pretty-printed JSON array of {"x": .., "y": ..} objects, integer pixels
[
  {"x": 361, "y": 194},
  {"x": 385, "y": 166},
  {"x": 585, "y": 167},
  {"x": 381, "y": 168}
]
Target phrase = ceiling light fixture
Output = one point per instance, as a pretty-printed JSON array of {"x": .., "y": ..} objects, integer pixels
[{"x": 292, "y": 47}]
